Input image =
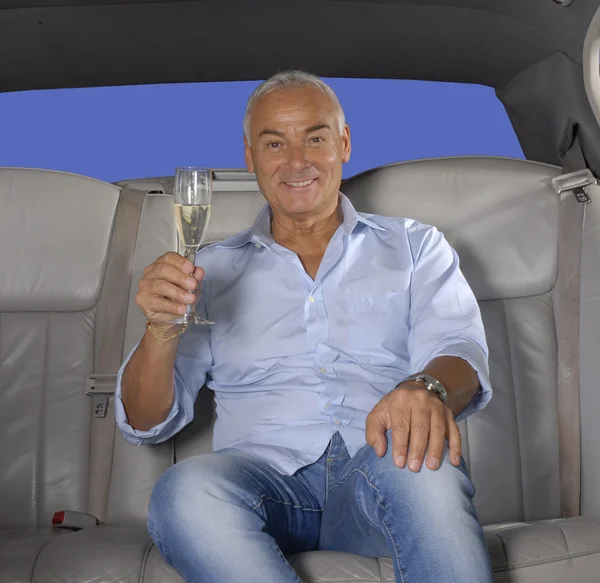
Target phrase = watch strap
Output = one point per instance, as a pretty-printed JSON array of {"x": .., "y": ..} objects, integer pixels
[{"x": 429, "y": 383}]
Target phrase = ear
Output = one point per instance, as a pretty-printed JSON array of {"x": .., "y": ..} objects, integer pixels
[
  {"x": 248, "y": 156},
  {"x": 346, "y": 144}
]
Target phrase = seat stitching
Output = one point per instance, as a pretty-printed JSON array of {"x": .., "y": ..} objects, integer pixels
[
  {"x": 145, "y": 562},
  {"x": 42, "y": 429},
  {"x": 504, "y": 549},
  {"x": 565, "y": 537},
  {"x": 547, "y": 561},
  {"x": 297, "y": 507},
  {"x": 514, "y": 395},
  {"x": 37, "y": 558}
]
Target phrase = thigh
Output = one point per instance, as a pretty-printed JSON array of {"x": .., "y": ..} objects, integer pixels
[
  {"x": 221, "y": 495},
  {"x": 425, "y": 521}
]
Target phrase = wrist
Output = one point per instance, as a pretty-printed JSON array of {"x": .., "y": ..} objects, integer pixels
[
  {"x": 165, "y": 332},
  {"x": 428, "y": 383}
]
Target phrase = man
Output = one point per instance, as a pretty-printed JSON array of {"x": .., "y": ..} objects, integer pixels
[{"x": 321, "y": 315}]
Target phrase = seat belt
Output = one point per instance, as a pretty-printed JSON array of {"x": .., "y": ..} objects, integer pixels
[
  {"x": 571, "y": 186},
  {"x": 111, "y": 319}
]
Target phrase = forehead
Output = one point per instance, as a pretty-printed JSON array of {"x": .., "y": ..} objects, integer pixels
[{"x": 292, "y": 106}]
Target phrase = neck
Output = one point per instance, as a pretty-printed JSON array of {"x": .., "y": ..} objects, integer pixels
[{"x": 309, "y": 233}]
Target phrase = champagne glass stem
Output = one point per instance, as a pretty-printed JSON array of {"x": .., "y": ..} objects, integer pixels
[{"x": 190, "y": 254}]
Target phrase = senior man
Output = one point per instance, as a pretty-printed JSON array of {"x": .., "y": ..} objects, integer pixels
[{"x": 345, "y": 347}]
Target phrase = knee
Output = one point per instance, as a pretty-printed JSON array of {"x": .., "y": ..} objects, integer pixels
[
  {"x": 448, "y": 486},
  {"x": 188, "y": 492}
]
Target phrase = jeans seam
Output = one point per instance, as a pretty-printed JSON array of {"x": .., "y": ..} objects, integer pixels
[
  {"x": 395, "y": 550},
  {"x": 374, "y": 487},
  {"x": 263, "y": 498}
]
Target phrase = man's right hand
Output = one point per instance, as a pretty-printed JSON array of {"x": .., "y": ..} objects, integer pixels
[{"x": 164, "y": 290}]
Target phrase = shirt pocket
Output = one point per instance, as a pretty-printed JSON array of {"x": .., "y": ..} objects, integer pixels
[{"x": 375, "y": 330}]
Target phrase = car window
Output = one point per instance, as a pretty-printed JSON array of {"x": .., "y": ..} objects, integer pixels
[{"x": 114, "y": 133}]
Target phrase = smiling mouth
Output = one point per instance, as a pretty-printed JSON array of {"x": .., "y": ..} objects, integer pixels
[{"x": 302, "y": 184}]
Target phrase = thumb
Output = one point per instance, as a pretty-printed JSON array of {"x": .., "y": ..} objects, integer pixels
[{"x": 376, "y": 427}]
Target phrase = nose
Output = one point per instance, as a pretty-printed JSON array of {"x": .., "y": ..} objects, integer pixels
[{"x": 297, "y": 158}]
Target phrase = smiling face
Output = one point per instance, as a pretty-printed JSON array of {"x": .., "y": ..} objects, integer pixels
[{"x": 297, "y": 152}]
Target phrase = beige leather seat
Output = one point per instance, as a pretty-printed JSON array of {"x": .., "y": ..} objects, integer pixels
[{"x": 502, "y": 217}]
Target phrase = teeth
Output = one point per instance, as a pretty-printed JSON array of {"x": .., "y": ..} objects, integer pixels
[{"x": 301, "y": 184}]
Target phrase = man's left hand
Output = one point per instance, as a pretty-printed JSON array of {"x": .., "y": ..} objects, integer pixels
[{"x": 417, "y": 419}]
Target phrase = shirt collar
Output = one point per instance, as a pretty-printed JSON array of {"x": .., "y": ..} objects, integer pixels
[{"x": 260, "y": 233}]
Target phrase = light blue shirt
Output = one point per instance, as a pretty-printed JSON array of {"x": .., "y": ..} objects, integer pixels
[{"x": 292, "y": 360}]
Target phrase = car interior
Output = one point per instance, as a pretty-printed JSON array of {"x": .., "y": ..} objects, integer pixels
[{"x": 74, "y": 494}]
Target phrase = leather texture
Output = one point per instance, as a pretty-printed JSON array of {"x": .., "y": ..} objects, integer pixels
[
  {"x": 58, "y": 226},
  {"x": 19, "y": 549},
  {"x": 502, "y": 217}
]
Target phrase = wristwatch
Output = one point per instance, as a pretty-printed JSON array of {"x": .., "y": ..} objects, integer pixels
[{"x": 430, "y": 383}]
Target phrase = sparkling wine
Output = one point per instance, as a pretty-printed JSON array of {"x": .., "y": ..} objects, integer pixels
[{"x": 192, "y": 221}]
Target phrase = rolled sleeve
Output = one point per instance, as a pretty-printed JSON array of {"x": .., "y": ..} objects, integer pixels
[
  {"x": 191, "y": 366},
  {"x": 478, "y": 359},
  {"x": 445, "y": 319}
]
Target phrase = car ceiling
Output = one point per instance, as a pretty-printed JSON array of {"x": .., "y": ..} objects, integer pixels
[
  {"x": 530, "y": 51},
  {"x": 69, "y": 43}
]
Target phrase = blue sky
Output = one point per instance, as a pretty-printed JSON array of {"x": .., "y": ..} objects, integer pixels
[{"x": 113, "y": 133}]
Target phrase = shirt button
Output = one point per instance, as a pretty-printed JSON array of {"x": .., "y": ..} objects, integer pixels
[
  {"x": 322, "y": 370},
  {"x": 337, "y": 421},
  {"x": 257, "y": 245},
  {"x": 311, "y": 299}
]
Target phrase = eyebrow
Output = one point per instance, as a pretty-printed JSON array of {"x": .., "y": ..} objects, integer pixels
[{"x": 310, "y": 130}]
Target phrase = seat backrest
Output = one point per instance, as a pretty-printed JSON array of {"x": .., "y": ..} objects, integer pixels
[
  {"x": 55, "y": 230},
  {"x": 502, "y": 217},
  {"x": 235, "y": 203}
]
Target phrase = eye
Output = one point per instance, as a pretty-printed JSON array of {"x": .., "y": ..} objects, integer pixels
[
  {"x": 317, "y": 139},
  {"x": 273, "y": 145}
]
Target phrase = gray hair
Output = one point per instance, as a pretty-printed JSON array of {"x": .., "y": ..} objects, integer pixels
[{"x": 292, "y": 79}]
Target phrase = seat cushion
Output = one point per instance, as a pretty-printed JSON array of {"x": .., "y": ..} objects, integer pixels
[
  {"x": 549, "y": 550},
  {"x": 19, "y": 550},
  {"x": 552, "y": 551},
  {"x": 100, "y": 553}
]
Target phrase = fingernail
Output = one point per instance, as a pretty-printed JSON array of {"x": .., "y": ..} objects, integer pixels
[
  {"x": 415, "y": 465},
  {"x": 433, "y": 463},
  {"x": 181, "y": 309},
  {"x": 400, "y": 461},
  {"x": 190, "y": 298},
  {"x": 190, "y": 282}
]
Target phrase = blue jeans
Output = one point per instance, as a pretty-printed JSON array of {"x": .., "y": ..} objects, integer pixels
[{"x": 228, "y": 516}]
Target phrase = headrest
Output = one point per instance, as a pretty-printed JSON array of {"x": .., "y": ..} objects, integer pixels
[
  {"x": 501, "y": 215},
  {"x": 54, "y": 234}
]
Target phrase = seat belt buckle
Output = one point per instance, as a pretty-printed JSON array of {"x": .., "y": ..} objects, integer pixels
[
  {"x": 73, "y": 519},
  {"x": 575, "y": 182},
  {"x": 101, "y": 387}
]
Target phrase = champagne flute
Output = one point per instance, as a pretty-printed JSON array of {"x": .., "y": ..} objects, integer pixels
[{"x": 192, "y": 193}]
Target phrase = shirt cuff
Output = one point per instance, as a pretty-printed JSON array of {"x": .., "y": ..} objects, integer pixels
[
  {"x": 135, "y": 436},
  {"x": 473, "y": 354}
]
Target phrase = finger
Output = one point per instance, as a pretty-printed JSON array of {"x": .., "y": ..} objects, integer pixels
[
  {"x": 419, "y": 436},
  {"x": 199, "y": 273},
  {"x": 376, "y": 426},
  {"x": 170, "y": 273},
  {"x": 178, "y": 261},
  {"x": 437, "y": 438},
  {"x": 454, "y": 440},
  {"x": 163, "y": 288},
  {"x": 400, "y": 435},
  {"x": 161, "y": 310}
]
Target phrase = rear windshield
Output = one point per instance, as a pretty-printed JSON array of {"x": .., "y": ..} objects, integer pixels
[{"x": 114, "y": 133}]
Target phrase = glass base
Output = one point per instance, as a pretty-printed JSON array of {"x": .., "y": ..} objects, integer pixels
[{"x": 190, "y": 319}]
